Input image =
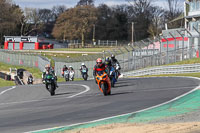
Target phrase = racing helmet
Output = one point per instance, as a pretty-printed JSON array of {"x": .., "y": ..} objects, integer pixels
[
  {"x": 99, "y": 61},
  {"x": 113, "y": 56},
  {"x": 83, "y": 64},
  {"x": 107, "y": 58},
  {"x": 47, "y": 67}
]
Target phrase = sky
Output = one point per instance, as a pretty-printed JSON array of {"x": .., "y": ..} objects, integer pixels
[{"x": 71, "y": 3}]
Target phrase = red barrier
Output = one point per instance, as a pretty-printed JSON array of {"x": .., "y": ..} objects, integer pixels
[
  {"x": 197, "y": 54},
  {"x": 37, "y": 45},
  {"x": 36, "y": 63},
  {"x": 13, "y": 45},
  {"x": 51, "y": 47},
  {"x": 177, "y": 38},
  {"x": 6, "y": 45},
  {"x": 44, "y": 46},
  {"x": 21, "y": 45},
  {"x": 169, "y": 46},
  {"x": 21, "y": 62}
]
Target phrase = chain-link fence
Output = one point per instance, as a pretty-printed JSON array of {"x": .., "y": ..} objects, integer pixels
[
  {"x": 28, "y": 60},
  {"x": 88, "y": 43},
  {"x": 176, "y": 45}
]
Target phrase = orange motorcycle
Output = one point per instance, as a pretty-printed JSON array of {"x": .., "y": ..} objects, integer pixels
[{"x": 103, "y": 82}]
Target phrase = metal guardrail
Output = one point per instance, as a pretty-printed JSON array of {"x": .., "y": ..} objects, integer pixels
[{"x": 173, "y": 69}]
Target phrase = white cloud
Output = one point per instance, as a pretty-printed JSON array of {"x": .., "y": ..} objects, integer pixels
[
  {"x": 71, "y": 3},
  {"x": 44, "y": 3},
  {"x": 112, "y": 3}
]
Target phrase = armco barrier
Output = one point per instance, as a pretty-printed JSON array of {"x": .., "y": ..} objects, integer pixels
[{"x": 173, "y": 69}]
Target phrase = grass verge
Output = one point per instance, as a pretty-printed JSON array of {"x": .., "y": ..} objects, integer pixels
[
  {"x": 35, "y": 71},
  {"x": 4, "y": 83}
]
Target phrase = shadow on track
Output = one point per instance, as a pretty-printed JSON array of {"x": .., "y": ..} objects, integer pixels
[
  {"x": 118, "y": 85},
  {"x": 59, "y": 94},
  {"x": 121, "y": 93}
]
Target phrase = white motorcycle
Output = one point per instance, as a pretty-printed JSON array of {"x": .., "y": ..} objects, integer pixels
[
  {"x": 71, "y": 75},
  {"x": 117, "y": 67},
  {"x": 66, "y": 75}
]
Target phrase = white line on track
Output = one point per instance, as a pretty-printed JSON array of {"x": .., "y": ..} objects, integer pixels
[
  {"x": 13, "y": 87},
  {"x": 196, "y": 88},
  {"x": 87, "y": 88}
]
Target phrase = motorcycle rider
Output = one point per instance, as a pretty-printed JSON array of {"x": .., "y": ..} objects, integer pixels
[
  {"x": 108, "y": 61},
  {"x": 64, "y": 69},
  {"x": 49, "y": 70},
  {"x": 30, "y": 79},
  {"x": 115, "y": 62},
  {"x": 83, "y": 66},
  {"x": 108, "y": 64},
  {"x": 100, "y": 66},
  {"x": 71, "y": 71}
]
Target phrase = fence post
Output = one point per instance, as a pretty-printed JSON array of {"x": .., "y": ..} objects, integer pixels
[
  {"x": 103, "y": 54},
  {"x": 153, "y": 51},
  {"x": 128, "y": 55},
  {"x": 123, "y": 58},
  {"x": 182, "y": 44},
  {"x": 131, "y": 55},
  {"x": 159, "y": 39},
  {"x": 167, "y": 49},
  {"x": 174, "y": 46},
  {"x": 190, "y": 43},
  {"x": 198, "y": 41}
]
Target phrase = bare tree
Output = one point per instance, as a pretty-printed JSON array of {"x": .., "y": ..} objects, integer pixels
[
  {"x": 174, "y": 7},
  {"x": 45, "y": 15},
  {"x": 10, "y": 15},
  {"x": 173, "y": 12},
  {"x": 33, "y": 18},
  {"x": 157, "y": 19},
  {"x": 57, "y": 10},
  {"x": 140, "y": 14},
  {"x": 85, "y": 2}
]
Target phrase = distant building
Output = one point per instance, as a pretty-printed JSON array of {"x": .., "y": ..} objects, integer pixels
[
  {"x": 192, "y": 15},
  {"x": 192, "y": 22},
  {"x": 25, "y": 42}
]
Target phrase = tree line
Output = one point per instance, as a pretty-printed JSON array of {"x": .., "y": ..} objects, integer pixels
[{"x": 87, "y": 21}]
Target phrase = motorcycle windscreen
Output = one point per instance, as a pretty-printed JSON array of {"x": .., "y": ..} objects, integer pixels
[
  {"x": 84, "y": 70},
  {"x": 100, "y": 73}
]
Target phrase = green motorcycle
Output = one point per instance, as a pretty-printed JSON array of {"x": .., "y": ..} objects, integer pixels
[{"x": 50, "y": 83}]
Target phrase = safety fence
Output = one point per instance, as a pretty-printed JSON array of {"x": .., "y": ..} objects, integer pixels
[
  {"x": 28, "y": 60},
  {"x": 173, "y": 46}
]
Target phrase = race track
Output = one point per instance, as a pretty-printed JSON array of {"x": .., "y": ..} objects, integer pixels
[{"x": 29, "y": 108}]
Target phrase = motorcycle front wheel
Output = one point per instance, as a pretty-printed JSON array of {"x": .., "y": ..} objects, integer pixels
[{"x": 104, "y": 87}]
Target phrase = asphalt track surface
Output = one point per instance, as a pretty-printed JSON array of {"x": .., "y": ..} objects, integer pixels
[{"x": 29, "y": 108}]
